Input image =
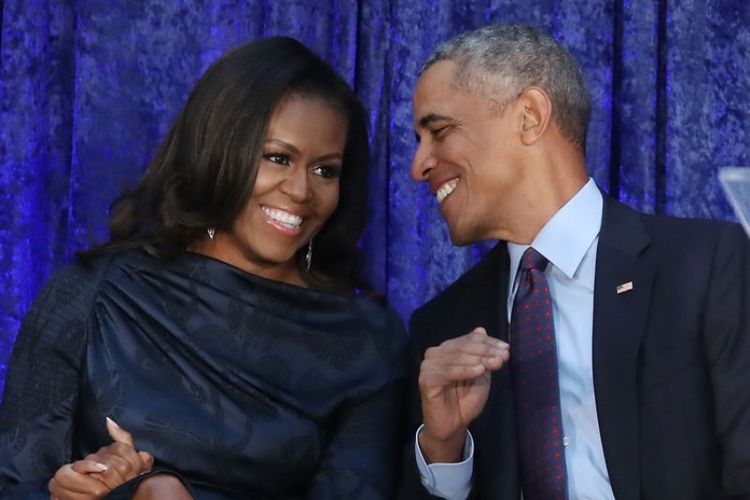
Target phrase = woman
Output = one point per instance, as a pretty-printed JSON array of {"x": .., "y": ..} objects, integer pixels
[{"x": 225, "y": 325}]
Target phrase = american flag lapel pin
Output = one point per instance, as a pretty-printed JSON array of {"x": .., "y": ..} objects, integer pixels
[{"x": 625, "y": 287}]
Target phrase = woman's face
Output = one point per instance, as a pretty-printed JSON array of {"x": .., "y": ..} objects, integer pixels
[{"x": 295, "y": 192}]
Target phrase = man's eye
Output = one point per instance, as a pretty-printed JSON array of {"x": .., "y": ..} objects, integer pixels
[
  {"x": 439, "y": 133},
  {"x": 327, "y": 171},
  {"x": 278, "y": 158}
]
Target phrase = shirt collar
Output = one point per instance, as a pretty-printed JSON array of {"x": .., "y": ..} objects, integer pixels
[{"x": 567, "y": 236}]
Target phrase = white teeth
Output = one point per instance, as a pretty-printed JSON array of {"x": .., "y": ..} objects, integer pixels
[
  {"x": 284, "y": 218},
  {"x": 446, "y": 189}
]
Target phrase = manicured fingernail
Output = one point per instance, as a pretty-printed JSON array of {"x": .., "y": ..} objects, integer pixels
[
  {"x": 101, "y": 467},
  {"x": 113, "y": 423}
]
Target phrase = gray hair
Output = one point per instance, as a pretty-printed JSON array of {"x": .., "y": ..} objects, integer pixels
[{"x": 501, "y": 60}]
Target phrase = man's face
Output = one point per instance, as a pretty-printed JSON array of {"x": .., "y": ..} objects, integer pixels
[{"x": 469, "y": 154}]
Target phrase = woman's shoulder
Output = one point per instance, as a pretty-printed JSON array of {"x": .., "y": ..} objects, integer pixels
[
  {"x": 76, "y": 283},
  {"x": 83, "y": 273},
  {"x": 58, "y": 314},
  {"x": 381, "y": 317},
  {"x": 385, "y": 329}
]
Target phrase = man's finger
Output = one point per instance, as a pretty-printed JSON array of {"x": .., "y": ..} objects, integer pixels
[
  {"x": 447, "y": 352},
  {"x": 442, "y": 373},
  {"x": 448, "y": 375},
  {"x": 496, "y": 362},
  {"x": 475, "y": 342},
  {"x": 479, "y": 330},
  {"x": 491, "y": 358},
  {"x": 463, "y": 358},
  {"x": 119, "y": 434}
]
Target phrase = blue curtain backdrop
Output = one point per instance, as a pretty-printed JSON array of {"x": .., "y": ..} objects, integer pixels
[{"x": 88, "y": 87}]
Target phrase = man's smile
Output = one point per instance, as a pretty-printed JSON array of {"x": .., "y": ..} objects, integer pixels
[{"x": 446, "y": 189}]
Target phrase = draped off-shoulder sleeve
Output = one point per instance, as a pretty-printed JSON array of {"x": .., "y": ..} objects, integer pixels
[
  {"x": 39, "y": 400},
  {"x": 363, "y": 451}
]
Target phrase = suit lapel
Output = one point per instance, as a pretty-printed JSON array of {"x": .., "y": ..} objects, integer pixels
[
  {"x": 495, "y": 304},
  {"x": 484, "y": 295},
  {"x": 500, "y": 293},
  {"x": 488, "y": 302},
  {"x": 496, "y": 474},
  {"x": 620, "y": 314}
]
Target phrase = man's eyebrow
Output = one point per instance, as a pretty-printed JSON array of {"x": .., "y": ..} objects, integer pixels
[{"x": 432, "y": 118}]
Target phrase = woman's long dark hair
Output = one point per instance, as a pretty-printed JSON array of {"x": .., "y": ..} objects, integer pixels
[{"x": 204, "y": 170}]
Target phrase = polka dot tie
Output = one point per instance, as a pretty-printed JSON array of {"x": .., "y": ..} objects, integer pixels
[{"x": 535, "y": 382}]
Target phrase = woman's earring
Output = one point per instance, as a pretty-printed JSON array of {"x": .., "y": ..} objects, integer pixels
[
  {"x": 211, "y": 232},
  {"x": 308, "y": 255}
]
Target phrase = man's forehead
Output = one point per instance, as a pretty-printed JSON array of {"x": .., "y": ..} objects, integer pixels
[
  {"x": 434, "y": 90},
  {"x": 437, "y": 97},
  {"x": 439, "y": 77}
]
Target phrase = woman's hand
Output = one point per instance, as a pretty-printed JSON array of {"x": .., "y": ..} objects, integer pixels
[
  {"x": 99, "y": 473},
  {"x": 68, "y": 484}
]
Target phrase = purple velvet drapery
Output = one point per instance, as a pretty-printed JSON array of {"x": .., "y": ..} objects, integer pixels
[{"x": 87, "y": 88}]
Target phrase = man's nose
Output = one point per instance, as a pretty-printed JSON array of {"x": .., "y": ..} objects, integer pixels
[{"x": 422, "y": 164}]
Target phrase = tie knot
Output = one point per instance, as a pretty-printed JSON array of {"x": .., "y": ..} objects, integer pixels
[{"x": 533, "y": 260}]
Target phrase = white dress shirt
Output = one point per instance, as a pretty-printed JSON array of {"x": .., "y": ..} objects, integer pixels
[{"x": 569, "y": 242}]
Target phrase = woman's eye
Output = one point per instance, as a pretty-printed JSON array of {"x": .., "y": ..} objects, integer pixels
[
  {"x": 279, "y": 158},
  {"x": 327, "y": 171}
]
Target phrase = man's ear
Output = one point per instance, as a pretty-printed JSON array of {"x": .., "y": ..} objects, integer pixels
[{"x": 536, "y": 114}]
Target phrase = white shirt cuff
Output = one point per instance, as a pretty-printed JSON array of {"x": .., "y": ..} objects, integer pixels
[{"x": 451, "y": 481}]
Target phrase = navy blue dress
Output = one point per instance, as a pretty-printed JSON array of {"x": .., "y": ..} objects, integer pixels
[{"x": 245, "y": 387}]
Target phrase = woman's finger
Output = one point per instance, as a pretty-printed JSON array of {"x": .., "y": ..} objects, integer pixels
[
  {"x": 67, "y": 483},
  {"x": 119, "y": 469},
  {"x": 147, "y": 459},
  {"x": 119, "y": 434},
  {"x": 87, "y": 466}
]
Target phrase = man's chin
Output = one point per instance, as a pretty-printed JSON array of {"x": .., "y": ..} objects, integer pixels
[{"x": 460, "y": 238}]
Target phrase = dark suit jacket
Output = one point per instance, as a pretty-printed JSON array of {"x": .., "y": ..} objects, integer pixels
[{"x": 671, "y": 360}]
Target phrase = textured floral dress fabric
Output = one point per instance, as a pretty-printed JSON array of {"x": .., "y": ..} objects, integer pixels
[{"x": 247, "y": 388}]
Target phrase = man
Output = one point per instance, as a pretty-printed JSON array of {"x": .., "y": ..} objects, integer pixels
[{"x": 595, "y": 352}]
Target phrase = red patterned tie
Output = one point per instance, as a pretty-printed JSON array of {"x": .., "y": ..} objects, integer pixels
[{"x": 535, "y": 382}]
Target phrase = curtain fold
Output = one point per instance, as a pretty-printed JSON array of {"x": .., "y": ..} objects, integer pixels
[{"x": 88, "y": 88}]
